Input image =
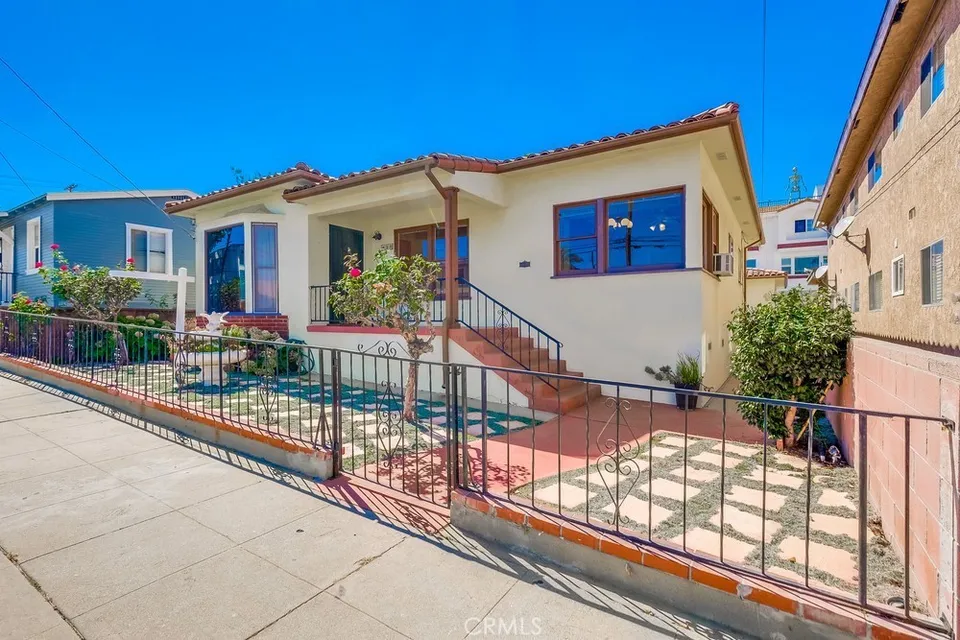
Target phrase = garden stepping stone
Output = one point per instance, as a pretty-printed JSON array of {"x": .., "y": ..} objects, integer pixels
[
  {"x": 510, "y": 424},
  {"x": 773, "y": 477},
  {"x": 714, "y": 459},
  {"x": 799, "y": 464},
  {"x": 603, "y": 478},
  {"x": 831, "y": 498},
  {"x": 750, "y": 525},
  {"x": 736, "y": 449},
  {"x": 706, "y": 541},
  {"x": 697, "y": 475},
  {"x": 838, "y": 526},
  {"x": 836, "y": 562},
  {"x": 570, "y": 497},
  {"x": 677, "y": 441},
  {"x": 663, "y": 488},
  {"x": 662, "y": 452},
  {"x": 639, "y": 510},
  {"x": 754, "y": 498}
]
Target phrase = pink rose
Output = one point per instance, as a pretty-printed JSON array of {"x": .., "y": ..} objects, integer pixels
[
  {"x": 38, "y": 265},
  {"x": 76, "y": 268},
  {"x": 355, "y": 273},
  {"x": 54, "y": 246},
  {"x": 130, "y": 260}
]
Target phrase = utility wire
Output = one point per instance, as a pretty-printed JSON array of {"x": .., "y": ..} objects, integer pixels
[
  {"x": 763, "y": 102},
  {"x": 69, "y": 126},
  {"x": 16, "y": 173}
]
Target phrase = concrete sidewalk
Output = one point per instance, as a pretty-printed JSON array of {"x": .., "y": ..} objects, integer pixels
[{"x": 113, "y": 528}]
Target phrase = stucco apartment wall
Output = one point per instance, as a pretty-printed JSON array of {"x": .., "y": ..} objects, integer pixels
[
  {"x": 920, "y": 173},
  {"x": 902, "y": 379},
  {"x": 778, "y": 228}
]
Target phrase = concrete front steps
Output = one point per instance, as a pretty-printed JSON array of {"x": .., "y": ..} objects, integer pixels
[{"x": 522, "y": 352}]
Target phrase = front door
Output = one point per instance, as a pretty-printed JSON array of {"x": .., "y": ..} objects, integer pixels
[{"x": 343, "y": 242}]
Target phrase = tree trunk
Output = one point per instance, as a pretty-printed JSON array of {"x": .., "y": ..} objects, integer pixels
[{"x": 410, "y": 393}]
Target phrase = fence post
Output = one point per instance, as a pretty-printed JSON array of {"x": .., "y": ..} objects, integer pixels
[
  {"x": 465, "y": 477},
  {"x": 862, "y": 542},
  {"x": 336, "y": 403}
]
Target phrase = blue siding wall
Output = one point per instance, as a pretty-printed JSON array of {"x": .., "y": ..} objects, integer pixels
[
  {"x": 32, "y": 285},
  {"x": 93, "y": 232}
]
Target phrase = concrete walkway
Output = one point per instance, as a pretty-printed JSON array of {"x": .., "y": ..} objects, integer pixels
[{"x": 112, "y": 528}]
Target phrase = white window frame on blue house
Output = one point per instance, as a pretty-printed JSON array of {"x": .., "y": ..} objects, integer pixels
[
  {"x": 168, "y": 245},
  {"x": 34, "y": 246}
]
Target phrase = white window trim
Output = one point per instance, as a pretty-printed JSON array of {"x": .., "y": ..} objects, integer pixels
[
  {"x": 893, "y": 276},
  {"x": 31, "y": 268},
  {"x": 168, "y": 234}
]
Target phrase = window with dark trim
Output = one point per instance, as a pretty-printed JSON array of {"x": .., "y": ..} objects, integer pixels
[
  {"x": 575, "y": 243},
  {"x": 638, "y": 232},
  {"x": 932, "y": 76},
  {"x": 711, "y": 232}
]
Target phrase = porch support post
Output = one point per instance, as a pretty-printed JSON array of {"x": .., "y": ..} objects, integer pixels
[{"x": 450, "y": 232}]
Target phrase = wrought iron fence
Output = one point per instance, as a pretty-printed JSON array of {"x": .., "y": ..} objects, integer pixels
[{"x": 699, "y": 480}]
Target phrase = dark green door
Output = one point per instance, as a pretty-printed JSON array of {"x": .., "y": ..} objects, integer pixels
[{"x": 343, "y": 242}]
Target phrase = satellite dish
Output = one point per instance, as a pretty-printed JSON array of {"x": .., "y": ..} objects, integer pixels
[
  {"x": 820, "y": 272},
  {"x": 843, "y": 226}
]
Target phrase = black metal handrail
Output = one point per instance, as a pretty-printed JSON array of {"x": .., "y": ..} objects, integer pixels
[
  {"x": 7, "y": 286},
  {"x": 519, "y": 339},
  {"x": 320, "y": 303}
]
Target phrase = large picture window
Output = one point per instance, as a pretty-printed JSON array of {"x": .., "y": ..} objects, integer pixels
[
  {"x": 642, "y": 232},
  {"x": 226, "y": 273}
]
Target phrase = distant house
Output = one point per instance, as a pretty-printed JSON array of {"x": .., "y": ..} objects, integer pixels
[
  {"x": 794, "y": 245},
  {"x": 95, "y": 228}
]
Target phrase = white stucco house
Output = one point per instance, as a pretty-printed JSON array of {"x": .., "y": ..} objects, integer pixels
[
  {"x": 792, "y": 243},
  {"x": 627, "y": 250}
]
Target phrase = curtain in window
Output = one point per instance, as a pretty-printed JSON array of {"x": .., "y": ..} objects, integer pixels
[{"x": 266, "y": 292}]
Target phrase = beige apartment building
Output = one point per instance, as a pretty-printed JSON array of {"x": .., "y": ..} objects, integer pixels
[{"x": 892, "y": 205}]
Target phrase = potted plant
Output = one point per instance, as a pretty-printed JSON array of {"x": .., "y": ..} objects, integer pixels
[{"x": 686, "y": 376}]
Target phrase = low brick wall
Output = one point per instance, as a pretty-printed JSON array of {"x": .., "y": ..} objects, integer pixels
[
  {"x": 275, "y": 323},
  {"x": 885, "y": 376},
  {"x": 743, "y": 601}
]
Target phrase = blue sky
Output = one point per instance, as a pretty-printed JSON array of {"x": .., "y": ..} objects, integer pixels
[{"x": 175, "y": 93}]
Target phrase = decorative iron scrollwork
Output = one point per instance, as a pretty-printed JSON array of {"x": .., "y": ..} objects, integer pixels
[
  {"x": 389, "y": 422},
  {"x": 501, "y": 328},
  {"x": 617, "y": 462},
  {"x": 383, "y": 348}
]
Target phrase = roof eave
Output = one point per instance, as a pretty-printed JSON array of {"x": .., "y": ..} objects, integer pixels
[{"x": 266, "y": 183}]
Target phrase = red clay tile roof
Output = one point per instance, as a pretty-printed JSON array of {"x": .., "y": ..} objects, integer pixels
[
  {"x": 780, "y": 205},
  {"x": 765, "y": 273},
  {"x": 299, "y": 171},
  {"x": 488, "y": 165}
]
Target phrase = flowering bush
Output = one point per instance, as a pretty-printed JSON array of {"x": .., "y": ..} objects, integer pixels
[
  {"x": 397, "y": 293},
  {"x": 22, "y": 303},
  {"x": 93, "y": 292}
]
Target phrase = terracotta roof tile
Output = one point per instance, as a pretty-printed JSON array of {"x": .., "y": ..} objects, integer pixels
[
  {"x": 765, "y": 273},
  {"x": 489, "y": 165},
  {"x": 302, "y": 168}
]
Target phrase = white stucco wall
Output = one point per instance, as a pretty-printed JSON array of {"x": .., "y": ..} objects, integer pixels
[{"x": 779, "y": 230}]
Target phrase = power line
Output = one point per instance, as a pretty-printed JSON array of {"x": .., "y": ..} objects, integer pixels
[
  {"x": 77, "y": 133},
  {"x": 16, "y": 173},
  {"x": 763, "y": 102}
]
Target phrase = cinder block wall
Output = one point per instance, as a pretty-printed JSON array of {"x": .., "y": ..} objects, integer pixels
[{"x": 885, "y": 376}]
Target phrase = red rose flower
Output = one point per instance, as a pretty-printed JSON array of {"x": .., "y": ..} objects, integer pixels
[
  {"x": 38, "y": 265},
  {"x": 355, "y": 273},
  {"x": 130, "y": 260},
  {"x": 54, "y": 246},
  {"x": 63, "y": 267}
]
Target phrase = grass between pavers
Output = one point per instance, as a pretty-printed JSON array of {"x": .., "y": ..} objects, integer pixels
[
  {"x": 885, "y": 572},
  {"x": 372, "y": 422}
]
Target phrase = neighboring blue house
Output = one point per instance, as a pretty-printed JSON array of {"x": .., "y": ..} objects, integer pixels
[{"x": 96, "y": 228}]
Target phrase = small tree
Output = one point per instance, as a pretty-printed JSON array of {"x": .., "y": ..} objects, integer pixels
[
  {"x": 93, "y": 292},
  {"x": 397, "y": 294},
  {"x": 793, "y": 347}
]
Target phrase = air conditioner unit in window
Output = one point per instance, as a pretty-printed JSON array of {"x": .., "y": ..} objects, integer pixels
[{"x": 723, "y": 264}]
